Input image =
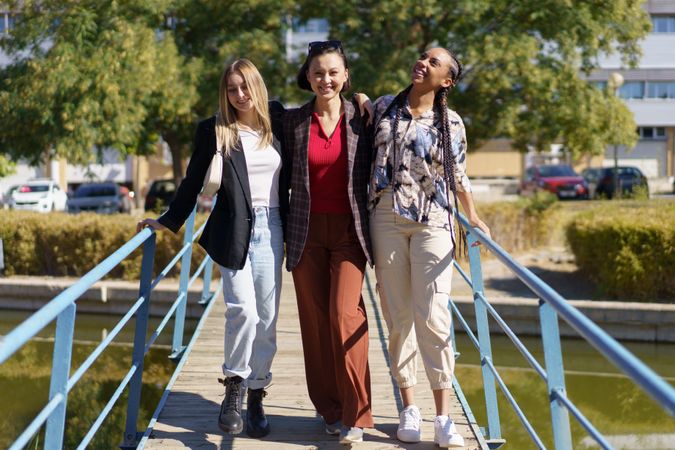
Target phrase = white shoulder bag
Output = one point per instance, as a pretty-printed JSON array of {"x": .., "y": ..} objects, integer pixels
[{"x": 214, "y": 175}]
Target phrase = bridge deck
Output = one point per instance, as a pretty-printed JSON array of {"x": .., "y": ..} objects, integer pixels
[{"x": 190, "y": 414}]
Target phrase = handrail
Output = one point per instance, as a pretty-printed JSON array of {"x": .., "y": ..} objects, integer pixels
[
  {"x": 62, "y": 308},
  {"x": 45, "y": 315},
  {"x": 551, "y": 305}
]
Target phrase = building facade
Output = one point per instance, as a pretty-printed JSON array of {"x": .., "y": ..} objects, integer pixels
[{"x": 649, "y": 92}]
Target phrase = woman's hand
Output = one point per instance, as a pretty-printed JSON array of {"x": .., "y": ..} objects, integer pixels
[
  {"x": 152, "y": 223},
  {"x": 477, "y": 223},
  {"x": 365, "y": 105}
]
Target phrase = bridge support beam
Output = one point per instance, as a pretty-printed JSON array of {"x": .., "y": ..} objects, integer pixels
[
  {"x": 177, "y": 346},
  {"x": 131, "y": 435},
  {"x": 494, "y": 428},
  {"x": 63, "y": 351},
  {"x": 550, "y": 336}
]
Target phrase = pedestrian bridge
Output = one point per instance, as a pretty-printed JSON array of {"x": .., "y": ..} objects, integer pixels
[{"x": 186, "y": 416}]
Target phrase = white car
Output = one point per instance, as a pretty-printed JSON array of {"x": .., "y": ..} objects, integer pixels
[{"x": 39, "y": 195}]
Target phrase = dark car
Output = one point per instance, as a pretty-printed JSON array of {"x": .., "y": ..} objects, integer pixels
[
  {"x": 161, "y": 193},
  {"x": 102, "y": 198},
  {"x": 601, "y": 180},
  {"x": 558, "y": 179}
]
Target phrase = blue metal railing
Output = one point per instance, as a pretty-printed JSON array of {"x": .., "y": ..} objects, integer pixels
[
  {"x": 551, "y": 305},
  {"x": 63, "y": 309}
]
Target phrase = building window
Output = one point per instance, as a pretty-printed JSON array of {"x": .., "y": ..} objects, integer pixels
[
  {"x": 652, "y": 133},
  {"x": 632, "y": 89},
  {"x": 661, "y": 89},
  {"x": 663, "y": 24}
]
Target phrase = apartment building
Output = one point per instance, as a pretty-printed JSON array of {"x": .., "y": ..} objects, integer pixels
[{"x": 649, "y": 92}]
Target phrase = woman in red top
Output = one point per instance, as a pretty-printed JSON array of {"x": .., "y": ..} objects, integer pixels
[{"x": 328, "y": 243}]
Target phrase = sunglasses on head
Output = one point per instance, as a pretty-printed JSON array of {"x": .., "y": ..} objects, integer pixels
[{"x": 324, "y": 45}]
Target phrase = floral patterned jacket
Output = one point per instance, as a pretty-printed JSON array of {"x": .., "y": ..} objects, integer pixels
[{"x": 419, "y": 189}]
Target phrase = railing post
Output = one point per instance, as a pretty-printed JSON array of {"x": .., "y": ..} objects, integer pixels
[
  {"x": 63, "y": 350},
  {"x": 208, "y": 270},
  {"x": 131, "y": 435},
  {"x": 177, "y": 345},
  {"x": 206, "y": 289},
  {"x": 555, "y": 376},
  {"x": 494, "y": 428}
]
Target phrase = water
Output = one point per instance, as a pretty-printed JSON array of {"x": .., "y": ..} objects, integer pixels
[
  {"x": 612, "y": 402},
  {"x": 24, "y": 380}
]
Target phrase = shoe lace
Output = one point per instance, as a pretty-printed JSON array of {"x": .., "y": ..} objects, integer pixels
[
  {"x": 258, "y": 405},
  {"x": 410, "y": 419},
  {"x": 232, "y": 393}
]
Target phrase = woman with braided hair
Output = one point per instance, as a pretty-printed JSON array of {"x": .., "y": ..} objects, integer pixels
[{"x": 418, "y": 170}]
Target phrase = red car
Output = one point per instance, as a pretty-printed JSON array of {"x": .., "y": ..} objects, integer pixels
[{"x": 559, "y": 179}]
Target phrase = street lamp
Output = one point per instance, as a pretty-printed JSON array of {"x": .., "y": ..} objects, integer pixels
[{"x": 614, "y": 82}]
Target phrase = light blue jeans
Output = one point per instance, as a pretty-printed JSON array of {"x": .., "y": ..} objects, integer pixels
[{"x": 252, "y": 301}]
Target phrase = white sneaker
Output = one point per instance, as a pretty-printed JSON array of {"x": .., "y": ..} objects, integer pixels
[
  {"x": 409, "y": 424},
  {"x": 445, "y": 433}
]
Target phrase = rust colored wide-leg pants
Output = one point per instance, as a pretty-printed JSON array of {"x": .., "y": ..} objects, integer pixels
[{"x": 333, "y": 322}]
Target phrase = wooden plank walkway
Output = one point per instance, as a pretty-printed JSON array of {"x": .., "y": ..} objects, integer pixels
[{"x": 189, "y": 418}]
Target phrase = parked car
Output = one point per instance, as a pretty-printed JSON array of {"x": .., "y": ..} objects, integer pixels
[
  {"x": 40, "y": 195},
  {"x": 102, "y": 198},
  {"x": 161, "y": 193},
  {"x": 601, "y": 180},
  {"x": 558, "y": 179}
]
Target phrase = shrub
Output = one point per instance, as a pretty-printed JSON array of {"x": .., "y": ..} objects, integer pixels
[
  {"x": 58, "y": 244},
  {"x": 629, "y": 250},
  {"x": 521, "y": 225}
]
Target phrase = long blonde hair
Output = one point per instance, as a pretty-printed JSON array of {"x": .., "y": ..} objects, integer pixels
[{"x": 226, "y": 117}]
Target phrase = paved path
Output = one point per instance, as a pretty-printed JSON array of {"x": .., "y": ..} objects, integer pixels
[{"x": 190, "y": 415}]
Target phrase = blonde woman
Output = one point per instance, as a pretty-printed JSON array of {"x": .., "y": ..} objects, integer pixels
[{"x": 243, "y": 234}]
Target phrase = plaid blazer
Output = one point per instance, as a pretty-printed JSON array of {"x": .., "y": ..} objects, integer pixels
[{"x": 296, "y": 135}]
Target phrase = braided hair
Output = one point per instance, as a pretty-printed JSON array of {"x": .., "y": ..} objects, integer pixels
[
  {"x": 441, "y": 107},
  {"x": 399, "y": 104}
]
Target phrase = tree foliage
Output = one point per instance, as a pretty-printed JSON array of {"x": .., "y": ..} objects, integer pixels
[
  {"x": 525, "y": 60},
  {"x": 89, "y": 74}
]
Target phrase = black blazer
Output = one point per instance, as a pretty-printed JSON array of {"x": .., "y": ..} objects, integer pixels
[{"x": 227, "y": 233}]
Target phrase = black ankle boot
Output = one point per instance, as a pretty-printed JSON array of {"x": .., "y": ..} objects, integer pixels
[
  {"x": 229, "y": 419},
  {"x": 257, "y": 425}
]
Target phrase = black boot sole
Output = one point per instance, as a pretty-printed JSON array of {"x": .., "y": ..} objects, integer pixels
[{"x": 257, "y": 432}]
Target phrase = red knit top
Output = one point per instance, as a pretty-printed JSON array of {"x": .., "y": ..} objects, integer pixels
[{"x": 328, "y": 172}]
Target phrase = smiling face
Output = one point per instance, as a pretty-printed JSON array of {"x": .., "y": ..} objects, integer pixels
[
  {"x": 327, "y": 75},
  {"x": 433, "y": 69},
  {"x": 238, "y": 94}
]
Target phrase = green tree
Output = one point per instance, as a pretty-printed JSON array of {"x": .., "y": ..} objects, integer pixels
[
  {"x": 218, "y": 32},
  {"x": 88, "y": 75},
  {"x": 6, "y": 166},
  {"x": 526, "y": 61}
]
